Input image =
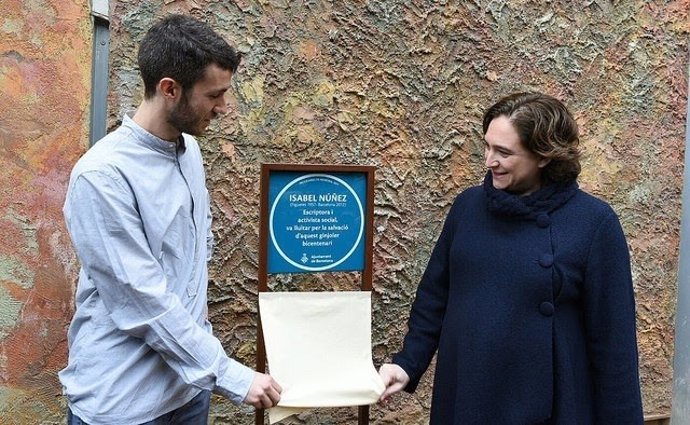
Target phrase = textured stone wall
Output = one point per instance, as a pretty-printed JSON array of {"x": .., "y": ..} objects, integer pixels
[
  {"x": 45, "y": 71},
  {"x": 396, "y": 84},
  {"x": 402, "y": 85}
]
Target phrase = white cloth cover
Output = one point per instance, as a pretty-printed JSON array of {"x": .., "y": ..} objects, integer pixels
[{"x": 318, "y": 347}]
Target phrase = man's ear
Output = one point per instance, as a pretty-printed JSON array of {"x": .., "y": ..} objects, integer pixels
[{"x": 169, "y": 88}]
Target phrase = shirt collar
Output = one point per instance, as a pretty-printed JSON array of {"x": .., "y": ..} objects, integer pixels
[{"x": 152, "y": 141}]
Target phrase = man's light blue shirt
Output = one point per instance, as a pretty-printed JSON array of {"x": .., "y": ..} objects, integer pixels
[{"x": 140, "y": 344}]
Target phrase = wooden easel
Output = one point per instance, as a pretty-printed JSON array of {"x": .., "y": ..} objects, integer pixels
[{"x": 366, "y": 271}]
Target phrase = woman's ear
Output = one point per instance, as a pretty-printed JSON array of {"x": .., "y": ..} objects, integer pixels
[{"x": 543, "y": 162}]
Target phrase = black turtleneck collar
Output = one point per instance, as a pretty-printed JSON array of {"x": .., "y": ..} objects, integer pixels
[{"x": 544, "y": 200}]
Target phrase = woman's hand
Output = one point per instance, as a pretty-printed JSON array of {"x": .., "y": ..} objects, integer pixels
[{"x": 395, "y": 379}]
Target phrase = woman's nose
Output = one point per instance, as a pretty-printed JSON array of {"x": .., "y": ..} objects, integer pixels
[{"x": 489, "y": 160}]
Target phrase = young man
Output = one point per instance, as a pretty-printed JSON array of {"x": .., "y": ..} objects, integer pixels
[{"x": 141, "y": 348}]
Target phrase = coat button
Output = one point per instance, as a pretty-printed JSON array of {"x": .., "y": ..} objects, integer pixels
[
  {"x": 546, "y": 260},
  {"x": 546, "y": 308},
  {"x": 543, "y": 220}
]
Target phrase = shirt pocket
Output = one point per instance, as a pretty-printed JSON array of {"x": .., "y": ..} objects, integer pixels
[{"x": 177, "y": 251}]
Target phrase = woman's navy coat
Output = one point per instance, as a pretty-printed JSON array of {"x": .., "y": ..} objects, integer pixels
[{"x": 530, "y": 304}]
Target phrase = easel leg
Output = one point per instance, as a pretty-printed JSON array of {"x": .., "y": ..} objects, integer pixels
[{"x": 363, "y": 415}]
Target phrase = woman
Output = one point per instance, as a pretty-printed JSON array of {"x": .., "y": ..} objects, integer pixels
[{"x": 528, "y": 294}]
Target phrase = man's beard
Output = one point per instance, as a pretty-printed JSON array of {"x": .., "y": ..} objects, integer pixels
[{"x": 185, "y": 119}]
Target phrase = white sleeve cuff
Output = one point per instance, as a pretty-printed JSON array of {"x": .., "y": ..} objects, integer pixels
[{"x": 234, "y": 384}]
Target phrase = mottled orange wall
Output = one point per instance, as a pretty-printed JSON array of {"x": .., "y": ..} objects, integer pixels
[
  {"x": 402, "y": 85},
  {"x": 45, "y": 66}
]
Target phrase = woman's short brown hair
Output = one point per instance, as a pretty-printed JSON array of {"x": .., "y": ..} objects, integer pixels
[{"x": 545, "y": 127}]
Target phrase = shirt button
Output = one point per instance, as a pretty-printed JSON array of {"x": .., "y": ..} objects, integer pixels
[
  {"x": 543, "y": 220},
  {"x": 546, "y": 308},
  {"x": 546, "y": 260}
]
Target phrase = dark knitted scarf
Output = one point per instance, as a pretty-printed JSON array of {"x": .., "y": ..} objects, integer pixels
[{"x": 544, "y": 200}]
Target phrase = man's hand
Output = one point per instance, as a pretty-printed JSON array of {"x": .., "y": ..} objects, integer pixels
[
  {"x": 395, "y": 379},
  {"x": 264, "y": 392}
]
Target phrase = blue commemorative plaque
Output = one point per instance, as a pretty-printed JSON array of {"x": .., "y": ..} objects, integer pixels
[{"x": 316, "y": 222}]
